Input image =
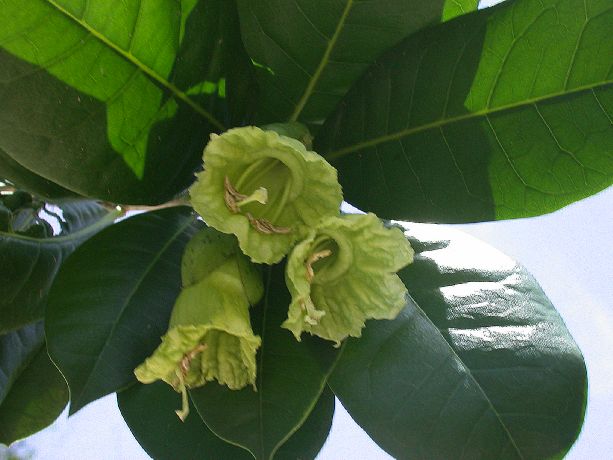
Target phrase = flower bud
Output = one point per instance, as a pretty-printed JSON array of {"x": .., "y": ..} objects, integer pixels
[
  {"x": 265, "y": 188},
  {"x": 210, "y": 335},
  {"x": 344, "y": 273}
]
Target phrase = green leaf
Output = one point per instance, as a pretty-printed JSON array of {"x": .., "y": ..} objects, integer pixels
[
  {"x": 455, "y": 8},
  {"x": 111, "y": 100},
  {"x": 308, "y": 53},
  {"x": 478, "y": 365},
  {"x": 149, "y": 411},
  {"x": 32, "y": 391},
  {"x": 111, "y": 301},
  {"x": 309, "y": 439},
  {"x": 34, "y": 262},
  {"x": 25, "y": 179},
  {"x": 498, "y": 114},
  {"x": 291, "y": 377}
]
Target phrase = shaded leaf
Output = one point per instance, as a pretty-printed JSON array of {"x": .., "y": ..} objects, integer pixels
[
  {"x": 291, "y": 377},
  {"x": 478, "y": 365},
  {"x": 308, "y": 53},
  {"x": 498, "y": 114},
  {"x": 33, "y": 262},
  {"x": 32, "y": 391},
  {"x": 25, "y": 179},
  {"x": 149, "y": 411},
  {"x": 112, "y": 299},
  {"x": 113, "y": 100},
  {"x": 309, "y": 439}
]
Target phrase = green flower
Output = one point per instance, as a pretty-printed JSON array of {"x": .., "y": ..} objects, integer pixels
[
  {"x": 265, "y": 188},
  {"x": 344, "y": 273},
  {"x": 209, "y": 336}
]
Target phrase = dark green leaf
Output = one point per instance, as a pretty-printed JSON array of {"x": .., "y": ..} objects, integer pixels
[
  {"x": 479, "y": 365},
  {"x": 498, "y": 114},
  {"x": 291, "y": 377},
  {"x": 26, "y": 179},
  {"x": 149, "y": 411},
  {"x": 308, "y": 53},
  {"x": 110, "y": 99},
  {"x": 111, "y": 301},
  {"x": 32, "y": 391},
  {"x": 34, "y": 262},
  {"x": 306, "y": 443}
]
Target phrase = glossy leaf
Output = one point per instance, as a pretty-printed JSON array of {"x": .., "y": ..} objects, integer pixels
[
  {"x": 306, "y": 443},
  {"x": 478, "y": 365},
  {"x": 112, "y": 299},
  {"x": 149, "y": 411},
  {"x": 498, "y": 114},
  {"x": 32, "y": 391},
  {"x": 113, "y": 100},
  {"x": 34, "y": 262},
  {"x": 291, "y": 377},
  {"x": 308, "y": 53}
]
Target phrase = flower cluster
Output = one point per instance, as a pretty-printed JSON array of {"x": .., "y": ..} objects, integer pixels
[{"x": 278, "y": 199}]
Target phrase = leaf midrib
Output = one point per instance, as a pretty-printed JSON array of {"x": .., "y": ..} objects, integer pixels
[
  {"x": 471, "y": 376},
  {"x": 322, "y": 64},
  {"x": 483, "y": 113},
  {"x": 109, "y": 218},
  {"x": 144, "y": 68}
]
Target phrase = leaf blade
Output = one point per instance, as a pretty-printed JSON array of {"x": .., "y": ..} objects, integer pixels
[
  {"x": 481, "y": 364},
  {"x": 100, "y": 324},
  {"x": 305, "y": 69},
  {"x": 111, "y": 96},
  {"x": 36, "y": 261},
  {"x": 508, "y": 139},
  {"x": 25, "y": 406}
]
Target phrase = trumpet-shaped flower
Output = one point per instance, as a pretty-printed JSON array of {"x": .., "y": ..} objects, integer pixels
[
  {"x": 210, "y": 335},
  {"x": 265, "y": 188},
  {"x": 344, "y": 273}
]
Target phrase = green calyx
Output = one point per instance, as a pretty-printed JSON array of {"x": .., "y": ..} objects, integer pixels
[
  {"x": 210, "y": 335},
  {"x": 344, "y": 273},
  {"x": 265, "y": 188}
]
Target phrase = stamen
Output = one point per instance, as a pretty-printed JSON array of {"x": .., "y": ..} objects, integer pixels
[
  {"x": 310, "y": 274},
  {"x": 232, "y": 196},
  {"x": 265, "y": 226},
  {"x": 183, "y": 370},
  {"x": 187, "y": 358}
]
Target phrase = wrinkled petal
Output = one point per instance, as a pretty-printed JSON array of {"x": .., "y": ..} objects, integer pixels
[
  {"x": 265, "y": 188},
  {"x": 344, "y": 273},
  {"x": 210, "y": 335}
]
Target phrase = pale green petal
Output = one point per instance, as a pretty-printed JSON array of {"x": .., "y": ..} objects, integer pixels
[
  {"x": 222, "y": 325},
  {"x": 208, "y": 250},
  {"x": 301, "y": 188},
  {"x": 210, "y": 335},
  {"x": 344, "y": 273}
]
